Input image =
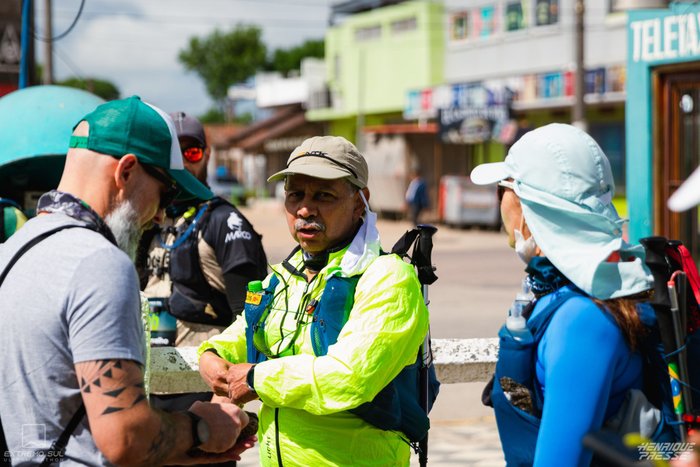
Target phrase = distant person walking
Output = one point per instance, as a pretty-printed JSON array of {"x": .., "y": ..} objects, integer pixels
[{"x": 417, "y": 196}]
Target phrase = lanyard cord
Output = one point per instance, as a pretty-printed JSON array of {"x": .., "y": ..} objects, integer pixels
[{"x": 180, "y": 240}]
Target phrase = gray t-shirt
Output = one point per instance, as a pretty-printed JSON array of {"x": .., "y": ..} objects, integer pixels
[{"x": 74, "y": 297}]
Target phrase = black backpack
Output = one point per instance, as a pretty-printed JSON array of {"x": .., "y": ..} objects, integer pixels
[{"x": 671, "y": 355}]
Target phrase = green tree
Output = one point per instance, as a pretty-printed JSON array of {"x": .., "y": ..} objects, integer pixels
[
  {"x": 286, "y": 60},
  {"x": 225, "y": 58},
  {"x": 213, "y": 115},
  {"x": 105, "y": 89}
]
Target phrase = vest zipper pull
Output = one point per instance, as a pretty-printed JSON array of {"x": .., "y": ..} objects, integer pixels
[{"x": 311, "y": 307}]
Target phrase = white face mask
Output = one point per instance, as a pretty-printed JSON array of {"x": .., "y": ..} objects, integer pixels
[{"x": 526, "y": 249}]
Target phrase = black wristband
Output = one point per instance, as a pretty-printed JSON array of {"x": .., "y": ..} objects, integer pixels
[
  {"x": 196, "y": 441},
  {"x": 250, "y": 379}
]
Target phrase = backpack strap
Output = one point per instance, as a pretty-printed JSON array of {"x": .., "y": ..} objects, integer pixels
[
  {"x": 539, "y": 324},
  {"x": 56, "y": 450}
]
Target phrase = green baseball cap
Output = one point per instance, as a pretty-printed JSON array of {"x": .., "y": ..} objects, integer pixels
[{"x": 131, "y": 126}]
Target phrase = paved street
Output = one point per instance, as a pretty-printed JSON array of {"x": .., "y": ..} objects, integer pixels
[{"x": 478, "y": 278}]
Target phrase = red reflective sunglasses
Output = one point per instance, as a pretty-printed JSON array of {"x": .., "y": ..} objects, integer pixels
[{"x": 193, "y": 154}]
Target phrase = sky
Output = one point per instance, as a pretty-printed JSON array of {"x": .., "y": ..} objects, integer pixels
[{"x": 135, "y": 43}]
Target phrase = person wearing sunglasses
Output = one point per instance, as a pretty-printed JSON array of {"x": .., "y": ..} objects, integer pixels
[
  {"x": 572, "y": 361},
  {"x": 197, "y": 262},
  {"x": 325, "y": 335},
  {"x": 71, "y": 372}
]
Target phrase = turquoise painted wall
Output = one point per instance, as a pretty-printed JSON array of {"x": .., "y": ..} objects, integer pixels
[
  {"x": 374, "y": 74},
  {"x": 654, "y": 38}
]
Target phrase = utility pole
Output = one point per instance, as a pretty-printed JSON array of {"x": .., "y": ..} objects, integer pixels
[
  {"x": 47, "y": 75},
  {"x": 359, "y": 135},
  {"x": 578, "y": 112}
]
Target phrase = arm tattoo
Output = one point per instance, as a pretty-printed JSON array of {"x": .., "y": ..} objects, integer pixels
[
  {"x": 165, "y": 441},
  {"x": 119, "y": 388},
  {"x": 108, "y": 379}
]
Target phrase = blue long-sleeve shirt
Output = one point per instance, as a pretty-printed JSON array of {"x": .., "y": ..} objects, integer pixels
[{"x": 584, "y": 368}]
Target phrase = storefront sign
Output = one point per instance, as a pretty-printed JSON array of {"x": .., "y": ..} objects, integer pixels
[
  {"x": 423, "y": 104},
  {"x": 476, "y": 113},
  {"x": 670, "y": 37}
]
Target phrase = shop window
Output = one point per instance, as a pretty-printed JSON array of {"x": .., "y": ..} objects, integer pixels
[
  {"x": 514, "y": 17},
  {"x": 486, "y": 24},
  {"x": 368, "y": 33},
  {"x": 459, "y": 26},
  {"x": 336, "y": 67},
  {"x": 403, "y": 25},
  {"x": 546, "y": 12}
]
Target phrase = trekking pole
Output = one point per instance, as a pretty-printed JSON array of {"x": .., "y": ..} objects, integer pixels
[
  {"x": 426, "y": 275},
  {"x": 681, "y": 395}
]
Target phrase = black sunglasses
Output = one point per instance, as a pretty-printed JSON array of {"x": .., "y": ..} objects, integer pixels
[{"x": 171, "y": 189}]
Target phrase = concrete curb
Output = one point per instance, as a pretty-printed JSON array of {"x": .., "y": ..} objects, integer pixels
[{"x": 176, "y": 370}]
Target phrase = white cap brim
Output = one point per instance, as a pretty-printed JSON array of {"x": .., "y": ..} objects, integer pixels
[
  {"x": 687, "y": 195},
  {"x": 487, "y": 174}
]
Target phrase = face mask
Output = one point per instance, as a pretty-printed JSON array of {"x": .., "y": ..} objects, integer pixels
[
  {"x": 526, "y": 249},
  {"x": 365, "y": 246}
]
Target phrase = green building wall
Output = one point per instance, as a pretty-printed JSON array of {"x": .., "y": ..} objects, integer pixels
[{"x": 372, "y": 76}]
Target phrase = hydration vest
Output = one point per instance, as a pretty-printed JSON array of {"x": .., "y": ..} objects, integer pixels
[
  {"x": 518, "y": 429},
  {"x": 397, "y": 406},
  {"x": 191, "y": 292}
]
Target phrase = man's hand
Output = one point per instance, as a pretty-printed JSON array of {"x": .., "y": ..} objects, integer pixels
[
  {"x": 225, "y": 424},
  {"x": 197, "y": 456},
  {"x": 213, "y": 370},
  {"x": 238, "y": 390}
]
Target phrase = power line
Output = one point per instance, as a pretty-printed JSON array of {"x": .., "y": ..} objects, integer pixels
[
  {"x": 73, "y": 68},
  {"x": 64, "y": 33},
  {"x": 188, "y": 19}
]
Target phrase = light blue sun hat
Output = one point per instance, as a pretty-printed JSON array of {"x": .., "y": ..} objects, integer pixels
[{"x": 565, "y": 186}]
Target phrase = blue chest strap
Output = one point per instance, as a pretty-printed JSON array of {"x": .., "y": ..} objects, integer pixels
[{"x": 397, "y": 405}]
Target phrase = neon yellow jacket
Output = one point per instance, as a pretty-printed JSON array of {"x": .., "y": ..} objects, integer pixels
[{"x": 305, "y": 398}]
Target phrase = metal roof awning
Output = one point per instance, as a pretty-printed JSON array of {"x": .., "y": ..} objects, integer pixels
[
  {"x": 402, "y": 128},
  {"x": 259, "y": 137},
  {"x": 592, "y": 100}
]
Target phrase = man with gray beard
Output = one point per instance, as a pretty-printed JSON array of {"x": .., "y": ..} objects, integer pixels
[
  {"x": 123, "y": 222},
  {"x": 72, "y": 344}
]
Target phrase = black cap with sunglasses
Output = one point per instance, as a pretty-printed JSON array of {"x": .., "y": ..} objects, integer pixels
[{"x": 189, "y": 127}]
